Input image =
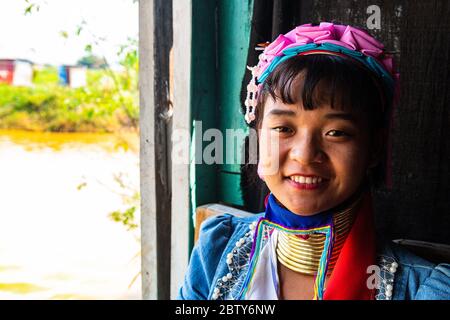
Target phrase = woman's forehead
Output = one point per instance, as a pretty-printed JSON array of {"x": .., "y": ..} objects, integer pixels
[{"x": 276, "y": 108}]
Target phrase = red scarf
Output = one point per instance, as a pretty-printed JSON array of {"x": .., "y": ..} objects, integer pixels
[{"x": 348, "y": 280}]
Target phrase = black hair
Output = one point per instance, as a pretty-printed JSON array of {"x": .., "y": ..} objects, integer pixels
[{"x": 320, "y": 79}]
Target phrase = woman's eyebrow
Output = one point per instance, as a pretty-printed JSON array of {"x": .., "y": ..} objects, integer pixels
[
  {"x": 342, "y": 116},
  {"x": 282, "y": 112}
]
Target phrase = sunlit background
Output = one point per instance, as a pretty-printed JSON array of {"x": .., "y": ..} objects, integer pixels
[{"x": 69, "y": 158}]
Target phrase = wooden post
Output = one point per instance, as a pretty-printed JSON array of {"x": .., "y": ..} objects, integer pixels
[
  {"x": 155, "y": 38},
  {"x": 147, "y": 152},
  {"x": 181, "y": 122}
]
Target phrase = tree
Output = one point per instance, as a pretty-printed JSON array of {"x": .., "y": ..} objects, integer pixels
[{"x": 92, "y": 61}]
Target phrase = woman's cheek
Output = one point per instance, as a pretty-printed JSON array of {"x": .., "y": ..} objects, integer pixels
[
  {"x": 349, "y": 164},
  {"x": 270, "y": 153}
]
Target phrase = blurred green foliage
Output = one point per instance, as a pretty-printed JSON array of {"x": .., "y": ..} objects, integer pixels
[
  {"x": 107, "y": 103},
  {"x": 46, "y": 76},
  {"x": 131, "y": 199},
  {"x": 125, "y": 217}
]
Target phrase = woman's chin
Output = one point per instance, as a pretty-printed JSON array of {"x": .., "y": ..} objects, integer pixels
[{"x": 306, "y": 200}]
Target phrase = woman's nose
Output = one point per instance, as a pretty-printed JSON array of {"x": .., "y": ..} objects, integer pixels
[{"x": 306, "y": 150}]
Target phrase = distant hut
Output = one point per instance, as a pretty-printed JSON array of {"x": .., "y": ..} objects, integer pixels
[
  {"x": 16, "y": 72},
  {"x": 72, "y": 76}
]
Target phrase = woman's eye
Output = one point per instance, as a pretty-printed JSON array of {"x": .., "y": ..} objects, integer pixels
[
  {"x": 282, "y": 129},
  {"x": 337, "y": 133}
]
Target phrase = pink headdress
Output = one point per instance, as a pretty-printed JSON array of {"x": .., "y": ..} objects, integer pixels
[{"x": 325, "y": 38}]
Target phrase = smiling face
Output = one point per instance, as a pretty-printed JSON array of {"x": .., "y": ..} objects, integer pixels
[
  {"x": 323, "y": 155},
  {"x": 323, "y": 115}
]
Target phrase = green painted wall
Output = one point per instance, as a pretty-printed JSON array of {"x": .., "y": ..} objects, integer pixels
[
  {"x": 220, "y": 38},
  {"x": 234, "y": 28},
  {"x": 205, "y": 99},
  {"x": 203, "y": 178}
]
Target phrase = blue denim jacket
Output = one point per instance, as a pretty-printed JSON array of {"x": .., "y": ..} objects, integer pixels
[{"x": 413, "y": 279}]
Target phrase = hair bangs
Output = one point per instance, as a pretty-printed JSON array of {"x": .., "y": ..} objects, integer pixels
[{"x": 318, "y": 80}]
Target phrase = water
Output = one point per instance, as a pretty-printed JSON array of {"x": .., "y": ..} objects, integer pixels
[{"x": 56, "y": 239}]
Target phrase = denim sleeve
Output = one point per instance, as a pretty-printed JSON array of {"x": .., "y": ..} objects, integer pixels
[
  {"x": 437, "y": 285},
  {"x": 214, "y": 235}
]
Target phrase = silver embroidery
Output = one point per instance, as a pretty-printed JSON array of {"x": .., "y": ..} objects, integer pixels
[
  {"x": 228, "y": 286},
  {"x": 388, "y": 267}
]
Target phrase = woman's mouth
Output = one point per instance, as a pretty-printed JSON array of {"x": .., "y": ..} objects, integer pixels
[{"x": 308, "y": 182}]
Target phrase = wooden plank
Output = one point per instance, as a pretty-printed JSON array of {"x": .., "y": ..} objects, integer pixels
[
  {"x": 182, "y": 48},
  {"x": 155, "y": 43},
  {"x": 434, "y": 252},
  {"x": 418, "y": 206},
  {"x": 147, "y": 152},
  {"x": 416, "y": 32},
  {"x": 162, "y": 126}
]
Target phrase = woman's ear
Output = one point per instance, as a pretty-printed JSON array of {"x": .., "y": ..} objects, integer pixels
[
  {"x": 260, "y": 171},
  {"x": 377, "y": 147}
]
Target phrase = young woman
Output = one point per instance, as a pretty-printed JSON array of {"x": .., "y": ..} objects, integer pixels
[{"x": 320, "y": 99}]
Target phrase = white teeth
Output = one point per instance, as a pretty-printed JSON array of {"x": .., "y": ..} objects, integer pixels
[{"x": 308, "y": 180}]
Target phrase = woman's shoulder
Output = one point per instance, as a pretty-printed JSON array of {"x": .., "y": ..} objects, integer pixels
[
  {"x": 217, "y": 233},
  {"x": 415, "y": 277},
  {"x": 227, "y": 224}
]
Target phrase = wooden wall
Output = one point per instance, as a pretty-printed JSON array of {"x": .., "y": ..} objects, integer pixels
[{"x": 417, "y": 33}]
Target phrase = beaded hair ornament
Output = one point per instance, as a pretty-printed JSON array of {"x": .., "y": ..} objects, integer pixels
[{"x": 325, "y": 38}]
